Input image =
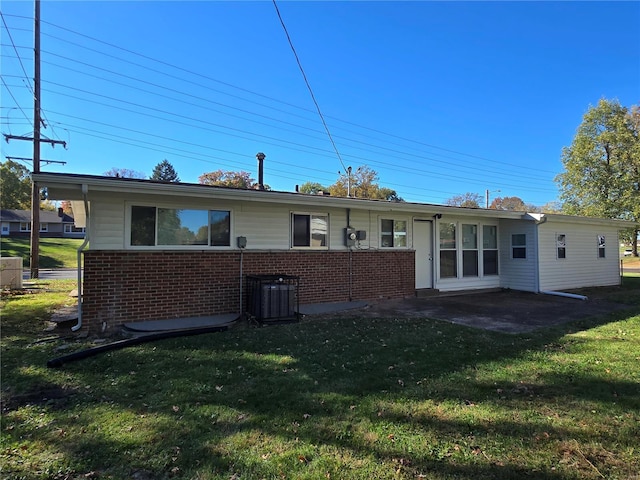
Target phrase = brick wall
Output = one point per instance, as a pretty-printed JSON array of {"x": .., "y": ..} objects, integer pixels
[{"x": 122, "y": 287}]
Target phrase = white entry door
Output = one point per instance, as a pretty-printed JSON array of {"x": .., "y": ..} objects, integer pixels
[{"x": 423, "y": 245}]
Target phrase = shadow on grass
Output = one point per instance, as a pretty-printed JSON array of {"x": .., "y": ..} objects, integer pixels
[
  {"x": 405, "y": 397},
  {"x": 395, "y": 392}
]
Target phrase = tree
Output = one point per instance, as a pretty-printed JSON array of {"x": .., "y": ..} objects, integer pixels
[
  {"x": 508, "y": 203},
  {"x": 468, "y": 200},
  {"x": 233, "y": 179},
  {"x": 362, "y": 183},
  {"x": 164, "y": 172},
  {"x": 15, "y": 186},
  {"x": 602, "y": 165},
  {"x": 312, "y": 188},
  {"x": 124, "y": 173}
]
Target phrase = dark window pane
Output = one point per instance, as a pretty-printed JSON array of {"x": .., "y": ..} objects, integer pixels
[
  {"x": 470, "y": 263},
  {"x": 301, "y": 230},
  {"x": 143, "y": 225},
  {"x": 448, "y": 267},
  {"x": 490, "y": 262},
  {"x": 519, "y": 252},
  {"x": 562, "y": 252},
  {"x": 220, "y": 221},
  {"x": 601, "y": 253}
]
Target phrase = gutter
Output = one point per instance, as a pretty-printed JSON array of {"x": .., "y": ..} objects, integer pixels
[{"x": 85, "y": 190}]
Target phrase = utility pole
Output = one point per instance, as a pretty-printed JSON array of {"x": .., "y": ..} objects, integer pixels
[
  {"x": 35, "y": 190},
  {"x": 487, "y": 192},
  {"x": 34, "y": 254}
]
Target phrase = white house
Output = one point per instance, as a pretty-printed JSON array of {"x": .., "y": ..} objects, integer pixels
[{"x": 169, "y": 250}]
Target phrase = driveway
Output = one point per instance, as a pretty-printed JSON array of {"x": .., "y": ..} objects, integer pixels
[{"x": 506, "y": 311}]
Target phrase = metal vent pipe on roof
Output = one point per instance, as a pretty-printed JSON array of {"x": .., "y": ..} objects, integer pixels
[{"x": 260, "y": 156}]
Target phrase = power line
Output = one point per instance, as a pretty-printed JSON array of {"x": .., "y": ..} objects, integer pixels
[
  {"x": 306, "y": 81},
  {"x": 264, "y": 96}
]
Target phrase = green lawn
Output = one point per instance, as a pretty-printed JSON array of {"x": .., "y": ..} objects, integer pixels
[
  {"x": 351, "y": 398},
  {"x": 54, "y": 252}
]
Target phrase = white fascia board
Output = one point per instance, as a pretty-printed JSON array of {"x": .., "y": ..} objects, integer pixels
[
  {"x": 572, "y": 219},
  {"x": 68, "y": 187}
]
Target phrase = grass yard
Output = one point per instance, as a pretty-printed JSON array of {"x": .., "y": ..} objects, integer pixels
[
  {"x": 54, "y": 252},
  {"x": 344, "y": 399}
]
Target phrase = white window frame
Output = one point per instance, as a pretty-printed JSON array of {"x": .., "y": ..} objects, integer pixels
[
  {"x": 519, "y": 246},
  {"x": 602, "y": 246},
  {"x": 70, "y": 228},
  {"x": 44, "y": 227},
  {"x": 464, "y": 249},
  {"x": 25, "y": 226},
  {"x": 561, "y": 246},
  {"x": 394, "y": 233},
  {"x": 128, "y": 217},
  {"x": 490, "y": 249},
  {"x": 311, "y": 216}
]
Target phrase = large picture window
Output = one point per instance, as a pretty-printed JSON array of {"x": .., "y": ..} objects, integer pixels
[
  {"x": 308, "y": 230},
  {"x": 393, "y": 233},
  {"x": 448, "y": 263},
  {"x": 154, "y": 226}
]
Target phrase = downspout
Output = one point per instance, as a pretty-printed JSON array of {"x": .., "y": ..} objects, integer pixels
[
  {"x": 350, "y": 258},
  {"x": 542, "y": 220},
  {"x": 85, "y": 190}
]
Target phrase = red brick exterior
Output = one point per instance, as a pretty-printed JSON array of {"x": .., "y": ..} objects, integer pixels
[{"x": 122, "y": 287}]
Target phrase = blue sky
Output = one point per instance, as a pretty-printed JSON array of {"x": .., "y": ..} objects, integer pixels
[{"x": 440, "y": 98}]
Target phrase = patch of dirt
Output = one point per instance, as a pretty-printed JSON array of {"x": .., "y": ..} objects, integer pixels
[
  {"x": 48, "y": 394},
  {"x": 506, "y": 311}
]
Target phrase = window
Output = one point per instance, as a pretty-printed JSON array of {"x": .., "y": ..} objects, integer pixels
[
  {"x": 489, "y": 250},
  {"x": 25, "y": 226},
  {"x": 5, "y": 228},
  {"x": 309, "y": 230},
  {"x": 69, "y": 228},
  {"x": 154, "y": 226},
  {"x": 601, "y": 246},
  {"x": 393, "y": 233},
  {"x": 561, "y": 245},
  {"x": 448, "y": 264},
  {"x": 469, "y": 250},
  {"x": 519, "y": 245},
  {"x": 44, "y": 227}
]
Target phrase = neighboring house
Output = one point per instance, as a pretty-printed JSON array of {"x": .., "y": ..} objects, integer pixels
[
  {"x": 169, "y": 250},
  {"x": 17, "y": 223}
]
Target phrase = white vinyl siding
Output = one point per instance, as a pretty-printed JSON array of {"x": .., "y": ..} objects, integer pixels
[
  {"x": 582, "y": 265},
  {"x": 106, "y": 225},
  {"x": 517, "y": 273}
]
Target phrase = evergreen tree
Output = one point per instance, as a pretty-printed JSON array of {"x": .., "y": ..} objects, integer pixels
[{"x": 164, "y": 172}]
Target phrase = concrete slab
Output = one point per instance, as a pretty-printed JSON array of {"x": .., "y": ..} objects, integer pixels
[
  {"x": 324, "y": 308},
  {"x": 185, "y": 323}
]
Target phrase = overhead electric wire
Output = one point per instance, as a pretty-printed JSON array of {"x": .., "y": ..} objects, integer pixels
[
  {"x": 417, "y": 156},
  {"x": 14, "y": 99},
  {"x": 306, "y": 81},
  {"x": 413, "y": 155},
  {"x": 254, "y": 93},
  {"x": 395, "y": 166}
]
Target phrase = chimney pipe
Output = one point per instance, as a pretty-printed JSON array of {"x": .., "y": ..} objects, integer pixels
[{"x": 260, "y": 156}]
